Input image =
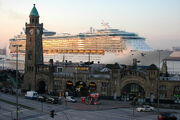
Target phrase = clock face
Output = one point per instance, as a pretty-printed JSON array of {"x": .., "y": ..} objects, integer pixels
[
  {"x": 37, "y": 31},
  {"x": 31, "y": 31}
]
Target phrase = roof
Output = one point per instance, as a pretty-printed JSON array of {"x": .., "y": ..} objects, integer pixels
[
  {"x": 34, "y": 12},
  {"x": 173, "y": 59},
  {"x": 175, "y": 56},
  {"x": 152, "y": 67},
  {"x": 113, "y": 66},
  {"x": 105, "y": 70}
]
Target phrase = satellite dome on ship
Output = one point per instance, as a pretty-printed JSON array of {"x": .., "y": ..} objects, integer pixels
[{"x": 48, "y": 33}]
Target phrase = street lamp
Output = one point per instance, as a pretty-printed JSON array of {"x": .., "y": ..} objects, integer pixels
[
  {"x": 17, "y": 46},
  {"x": 158, "y": 82},
  {"x": 2, "y": 64}
]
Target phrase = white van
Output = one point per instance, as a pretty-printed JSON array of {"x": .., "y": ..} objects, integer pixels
[
  {"x": 70, "y": 99},
  {"x": 31, "y": 95}
]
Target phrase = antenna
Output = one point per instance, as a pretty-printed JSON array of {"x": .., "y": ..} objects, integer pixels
[
  {"x": 105, "y": 24},
  {"x": 91, "y": 29}
]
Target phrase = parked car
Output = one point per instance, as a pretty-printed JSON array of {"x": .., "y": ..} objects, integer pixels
[
  {"x": 53, "y": 100},
  {"x": 71, "y": 99},
  {"x": 5, "y": 90},
  {"x": 166, "y": 116},
  {"x": 145, "y": 108},
  {"x": 42, "y": 98},
  {"x": 31, "y": 95}
]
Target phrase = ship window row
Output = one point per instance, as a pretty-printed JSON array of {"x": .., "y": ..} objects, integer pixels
[
  {"x": 98, "y": 43},
  {"x": 131, "y": 38},
  {"x": 122, "y": 35}
]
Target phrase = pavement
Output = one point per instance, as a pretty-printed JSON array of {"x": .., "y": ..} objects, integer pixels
[
  {"x": 104, "y": 105},
  {"x": 107, "y": 110}
]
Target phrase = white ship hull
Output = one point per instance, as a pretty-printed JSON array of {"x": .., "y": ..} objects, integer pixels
[{"x": 144, "y": 58}]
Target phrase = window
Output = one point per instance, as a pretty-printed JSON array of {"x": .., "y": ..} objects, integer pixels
[
  {"x": 162, "y": 95},
  {"x": 57, "y": 84},
  {"x": 162, "y": 87},
  {"x": 59, "y": 69},
  {"x": 29, "y": 56}
]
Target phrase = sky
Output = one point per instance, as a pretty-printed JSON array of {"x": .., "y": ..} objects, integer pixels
[{"x": 156, "y": 20}]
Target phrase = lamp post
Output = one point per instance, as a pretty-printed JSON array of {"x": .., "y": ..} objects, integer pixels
[
  {"x": 2, "y": 63},
  {"x": 17, "y": 46},
  {"x": 158, "y": 83}
]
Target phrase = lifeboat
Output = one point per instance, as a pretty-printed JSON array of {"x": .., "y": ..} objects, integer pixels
[
  {"x": 65, "y": 51},
  {"x": 51, "y": 51},
  {"x": 70, "y": 51},
  {"x": 93, "y": 51},
  {"x": 56, "y": 51},
  {"x": 101, "y": 51},
  {"x": 87, "y": 51},
  {"x": 81, "y": 51},
  {"x": 75, "y": 51},
  {"x": 59, "y": 51}
]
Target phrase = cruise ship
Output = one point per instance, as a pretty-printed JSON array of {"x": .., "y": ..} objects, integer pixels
[{"x": 105, "y": 46}]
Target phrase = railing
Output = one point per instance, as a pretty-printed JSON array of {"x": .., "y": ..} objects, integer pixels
[
  {"x": 63, "y": 74},
  {"x": 133, "y": 73},
  {"x": 170, "y": 78}
]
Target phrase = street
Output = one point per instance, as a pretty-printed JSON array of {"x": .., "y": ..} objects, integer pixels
[{"x": 73, "y": 112}]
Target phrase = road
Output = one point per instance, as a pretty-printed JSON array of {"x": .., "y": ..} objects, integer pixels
[{"x": 7, "y": 112}]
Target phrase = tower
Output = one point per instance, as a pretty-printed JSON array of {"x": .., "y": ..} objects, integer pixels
[
  {"x": 164, "y": 69},
  {"x": 34, "y": 50}
]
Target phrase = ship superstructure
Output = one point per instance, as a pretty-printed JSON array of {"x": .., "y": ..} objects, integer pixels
[{"x": 105, "y": 46}]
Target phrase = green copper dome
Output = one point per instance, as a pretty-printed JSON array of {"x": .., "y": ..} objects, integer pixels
[{"x": 34, "y": 12}]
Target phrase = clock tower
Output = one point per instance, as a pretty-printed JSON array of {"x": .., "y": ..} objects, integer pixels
[{"x": 34, "y": 49}]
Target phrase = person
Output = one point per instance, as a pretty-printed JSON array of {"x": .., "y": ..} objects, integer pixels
[{"x": 66, "y": 93}]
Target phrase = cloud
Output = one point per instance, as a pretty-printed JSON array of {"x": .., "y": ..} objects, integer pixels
[
  {"x": 15, "y": 15},
  {"x": 10, "y": 13}
]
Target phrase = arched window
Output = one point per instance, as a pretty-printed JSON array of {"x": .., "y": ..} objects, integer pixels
[
  {"x": 177, "y": 90},
  {"x": 162, "y": 91},
  {"x": 176, "y": 94}
]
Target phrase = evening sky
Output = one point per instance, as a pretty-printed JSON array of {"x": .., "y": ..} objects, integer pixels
[{"x": 156, "y": 20}]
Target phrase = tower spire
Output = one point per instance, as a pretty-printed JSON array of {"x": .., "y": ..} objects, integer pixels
[{"x": 34, "y": 11}]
